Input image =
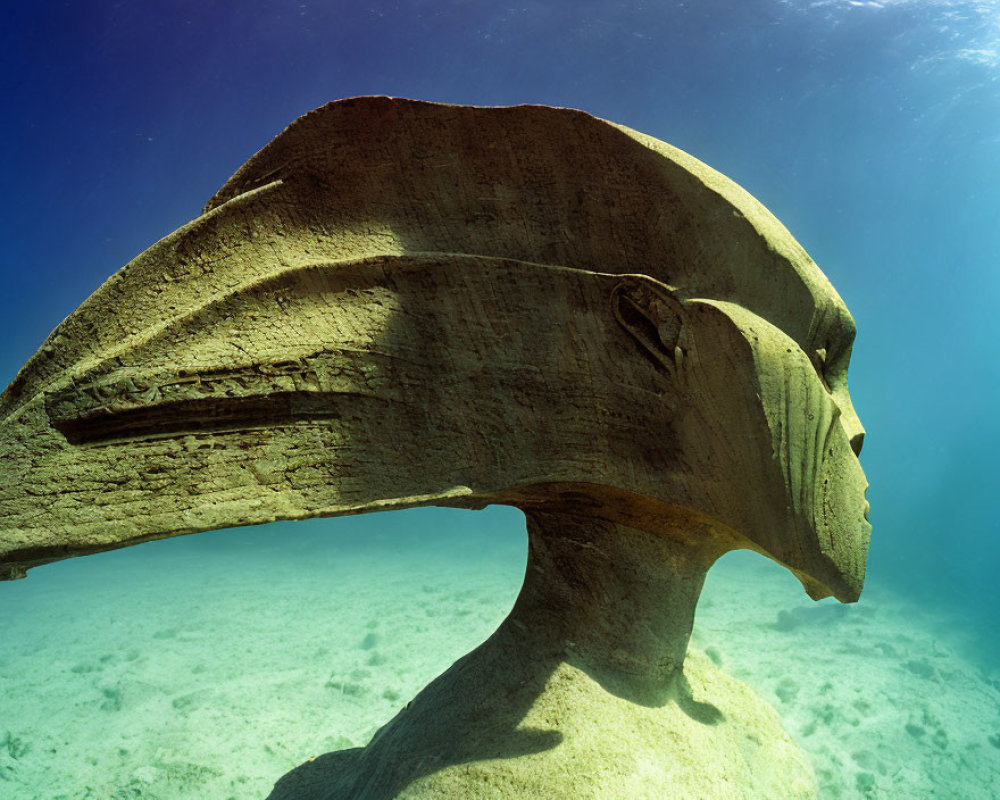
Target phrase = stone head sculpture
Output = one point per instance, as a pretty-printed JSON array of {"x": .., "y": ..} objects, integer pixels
[{"x": 399, "y": 303}]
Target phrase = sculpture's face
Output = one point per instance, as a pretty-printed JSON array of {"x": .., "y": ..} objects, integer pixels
[
  {"x": 815, "y": 481},
  {"x": 760, "y": 423}
]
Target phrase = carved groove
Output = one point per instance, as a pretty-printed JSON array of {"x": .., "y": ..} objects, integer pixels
[{"x": 203, "y": 415}]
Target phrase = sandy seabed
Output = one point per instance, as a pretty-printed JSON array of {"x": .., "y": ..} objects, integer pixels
[{"x": 206, "y": 667}]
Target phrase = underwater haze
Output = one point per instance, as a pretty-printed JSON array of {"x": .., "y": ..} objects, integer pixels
[{"x": 209, "y": 665}]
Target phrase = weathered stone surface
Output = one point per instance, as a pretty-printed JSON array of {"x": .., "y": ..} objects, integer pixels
[{"x": 399, "y": 303}]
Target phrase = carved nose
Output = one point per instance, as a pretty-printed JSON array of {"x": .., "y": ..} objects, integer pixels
[{"x": 849, "y": 419}]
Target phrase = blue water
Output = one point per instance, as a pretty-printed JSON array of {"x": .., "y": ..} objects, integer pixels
[{"x": 871, "y": 129}]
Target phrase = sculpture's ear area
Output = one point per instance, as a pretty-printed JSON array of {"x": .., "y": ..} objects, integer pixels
[{"x": 652, "y": 313}]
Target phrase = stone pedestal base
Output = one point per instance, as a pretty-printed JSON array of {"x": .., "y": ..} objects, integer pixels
[{"x": 567, "y": 738}]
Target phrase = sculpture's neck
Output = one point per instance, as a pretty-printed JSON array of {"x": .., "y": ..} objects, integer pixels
[{"x": 615, "y": 601}]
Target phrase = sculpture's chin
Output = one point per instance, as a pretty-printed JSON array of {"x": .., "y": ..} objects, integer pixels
[{"x": 841, "y": 521}]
